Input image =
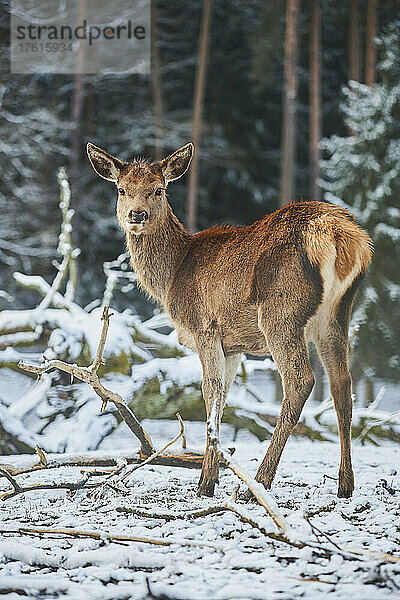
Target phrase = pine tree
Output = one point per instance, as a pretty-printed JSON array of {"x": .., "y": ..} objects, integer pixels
[{"x": 363, "y": 174}]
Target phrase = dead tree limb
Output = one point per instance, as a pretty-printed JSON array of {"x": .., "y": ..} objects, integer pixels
[
  {"x": 180, "y": 434},
  {"x": 257, "y": 489},
  {"x": 89, "y": 375},
  {"x": 188, "y": 460},
  {"x": 111, "y": 537},
  {"x": 72, "y": 486},
  {"x": 100, "y": 486},
  {"x": 187, "y": 515}
]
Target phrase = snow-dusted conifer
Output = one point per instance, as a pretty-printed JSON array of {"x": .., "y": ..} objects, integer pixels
[{"x": 363, "y": 174}]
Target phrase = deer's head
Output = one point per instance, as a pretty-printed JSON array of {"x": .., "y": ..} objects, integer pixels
[{"x": 142, "y": 204}]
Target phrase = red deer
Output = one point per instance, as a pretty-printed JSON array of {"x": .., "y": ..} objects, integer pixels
[{"x": 267, "y": 289}]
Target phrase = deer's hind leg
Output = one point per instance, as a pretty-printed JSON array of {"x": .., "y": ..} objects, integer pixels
[
  {"x": 288, "y": 348},
  {"x": 333, "y": 349}
]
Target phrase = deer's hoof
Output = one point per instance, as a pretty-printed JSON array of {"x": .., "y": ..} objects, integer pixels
[
  {"x": 206, "y": 487},
  {"x": 346, "y": 486},
  {"x": 266, "y": 480},
  {"x": 209, "y": 473}
]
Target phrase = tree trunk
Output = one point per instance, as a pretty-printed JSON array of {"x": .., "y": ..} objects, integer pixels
[
  {"x": 370, "y": 42},
  {"x": 77, "y": 110},
  {"x": 354, "y": 42},
  {"x": 289, "y": 103},
  {"x": 156, "y": 83},
  {"x": 90, "y": 110},
  {"x": 198, "y": 100},
  {"x": 368, "y": 392},
  {"x": 315, "y": 100}
]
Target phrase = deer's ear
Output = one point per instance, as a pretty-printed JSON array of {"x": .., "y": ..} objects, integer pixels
[
  {"x": 176, "y": 164},
  {"x": 104, "y": 164}
]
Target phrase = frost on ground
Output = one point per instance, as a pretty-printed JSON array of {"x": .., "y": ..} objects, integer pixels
[{"x": 237, "y": 560}]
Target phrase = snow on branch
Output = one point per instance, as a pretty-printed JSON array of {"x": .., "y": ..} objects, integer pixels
[{"x": 89, "y": 375}]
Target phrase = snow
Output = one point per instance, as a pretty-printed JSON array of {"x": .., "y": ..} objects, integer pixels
[
  {"x": 71, "y": 330},
  {"x": 244, "y": 563},
  {"x": 15, "y": 428}
]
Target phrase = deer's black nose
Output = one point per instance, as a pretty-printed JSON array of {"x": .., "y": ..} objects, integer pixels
[{"x": 137, "y": 217}]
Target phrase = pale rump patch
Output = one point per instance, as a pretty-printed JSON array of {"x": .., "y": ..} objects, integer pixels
[{"x": 334, "y": 289}]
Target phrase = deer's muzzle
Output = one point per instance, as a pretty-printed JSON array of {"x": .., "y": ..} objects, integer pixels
[{"x": 138, "y": 217}]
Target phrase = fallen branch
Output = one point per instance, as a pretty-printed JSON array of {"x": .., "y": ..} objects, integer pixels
[
  {"x": 111, "y": 537},
  {"x": 187, "y": 515},
  {"x": 188, "y": 460},
  {"x": 89, "y": 375},
  {"x": 149, "y": 459},
  {"x": 260, "y": 494},
  {"x": 246, "y": 518},
  {"x": 71, "y": 486}
]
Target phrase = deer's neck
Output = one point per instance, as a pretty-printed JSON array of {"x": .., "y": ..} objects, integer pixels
[{"x": 156, "y": 256}]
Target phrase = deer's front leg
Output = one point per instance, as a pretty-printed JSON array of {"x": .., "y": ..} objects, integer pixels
[{"x": 213, "y": 362}]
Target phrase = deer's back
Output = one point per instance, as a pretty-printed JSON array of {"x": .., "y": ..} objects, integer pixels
[{"x": 286, "y": 257}]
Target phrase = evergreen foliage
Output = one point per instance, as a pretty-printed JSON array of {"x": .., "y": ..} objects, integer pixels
[{"x": 363, "y": 174}]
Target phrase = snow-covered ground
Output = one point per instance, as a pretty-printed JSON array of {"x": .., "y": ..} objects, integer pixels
[{"x": 237, "y": 561}]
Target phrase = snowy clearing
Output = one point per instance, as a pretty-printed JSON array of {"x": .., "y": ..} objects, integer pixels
[{"x": 237, "y": 560}]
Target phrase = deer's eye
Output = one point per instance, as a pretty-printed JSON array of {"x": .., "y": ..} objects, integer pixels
[
  {"x": 121, "y": 191},
  {"x": 158, "y": 191}
]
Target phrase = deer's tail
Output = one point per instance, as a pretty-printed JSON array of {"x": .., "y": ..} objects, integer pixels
[{"x": 335, "y": 238}]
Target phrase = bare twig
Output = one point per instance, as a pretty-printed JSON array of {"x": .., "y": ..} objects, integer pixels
[
  {"x": 94, "y": 367},
  {"x": 260, "y": 494},
  {"x": 12, "y": 480},
  {"x": 316, "y": 531},
  {"x": 181, "y": 433},
  {"x": 72, "y": 486},
  {"x": 42, "y": 456},
  {"x": 120, "y": 468},
  {"x": 107, "y": 483},
  {"x": 89, "y": 375},
  {"x": 350, "y": 552}
]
